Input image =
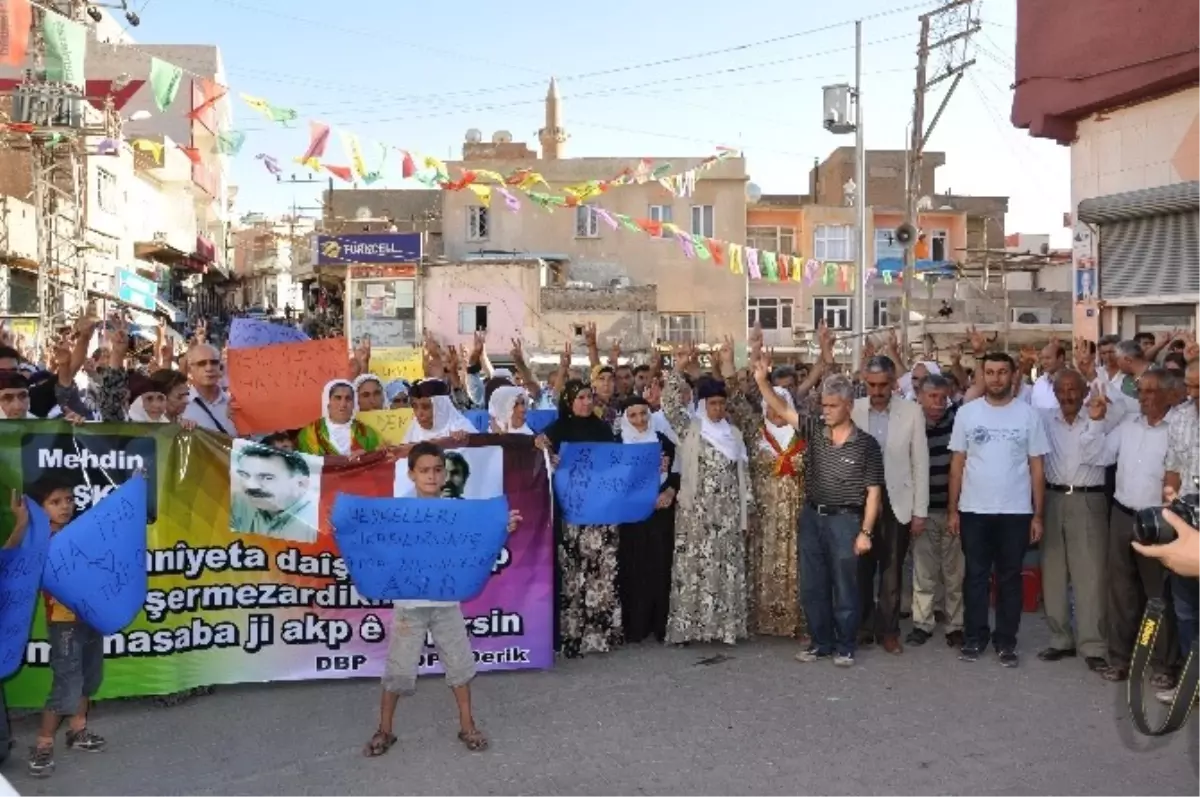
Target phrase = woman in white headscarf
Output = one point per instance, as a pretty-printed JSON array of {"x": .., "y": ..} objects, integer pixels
[
  {"x": 434, "y": 415},
  {"x": 507, "y": 408},
  {"x": 368, "y": 391},
  {"x": 337, "y": 432},
  {"x": 708, "y": 590},
  {"x": 777, "y": 480},
  {"x": 646, "y": 550}
]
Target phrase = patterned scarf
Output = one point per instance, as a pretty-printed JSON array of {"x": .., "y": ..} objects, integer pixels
[
  {"x": 314, "y": 439},
  {"x": 784, "y": 459}
]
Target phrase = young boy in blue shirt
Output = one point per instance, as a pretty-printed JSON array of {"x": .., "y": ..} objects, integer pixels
[{"x": 413, "y": 620}]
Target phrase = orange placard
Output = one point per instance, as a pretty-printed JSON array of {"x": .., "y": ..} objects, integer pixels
[
  {"x": 279, "y": 387},
  {"x": 15, "y": 18}
]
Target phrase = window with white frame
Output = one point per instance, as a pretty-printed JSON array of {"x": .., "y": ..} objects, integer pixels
[
  {"x": 833, "y": 310},
  {"x": 478, "y": 225},
  {"x": 939, "y": 249},
  {"x": 661, "y": 214},
  {"x": 879, "y": 313},
  {"x": 886, "y": 245},
  {"x": 833, "y": 242},
  {"x": 772, "y": 239},
  {"x": 702, "y": 220},
  {"x": 106, "y": 191},
  {"x": 769, "y": 312},
  {"x": 681, "y": 327},
  {"x": 472, "y": 318},
  {"x": 587, "y": 223}
]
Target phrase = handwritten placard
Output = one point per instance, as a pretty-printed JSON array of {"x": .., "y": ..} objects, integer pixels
[
  {"x": 391, "y": 362},
  {"x": 479, "y": 419},
  {"x": 419, "y": 548},
  {"x": 279, "y": 387},
  {"x": 390, "y": 424},
  {"x": 249, "y": 333},
  {"x": 20, "y": 573},
  {"x": 602, "y": 483},
  {"x": 536, "y": 420},
  {"x": 96, "y": 566}
]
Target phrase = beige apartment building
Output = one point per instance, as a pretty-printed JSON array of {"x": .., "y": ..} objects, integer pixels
[{"x": 670, "y": 297}]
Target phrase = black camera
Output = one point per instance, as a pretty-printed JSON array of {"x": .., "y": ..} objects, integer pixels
[{"x": 1152, "y": 529}]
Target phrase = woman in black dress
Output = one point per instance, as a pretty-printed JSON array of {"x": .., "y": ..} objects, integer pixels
[{"x": 646, "y": 549}]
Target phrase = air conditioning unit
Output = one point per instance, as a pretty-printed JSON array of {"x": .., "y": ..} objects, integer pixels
[{"x": 1029, "y": 315}]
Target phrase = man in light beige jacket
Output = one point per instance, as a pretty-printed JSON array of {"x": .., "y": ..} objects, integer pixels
[{"x": 899, "y": 427}]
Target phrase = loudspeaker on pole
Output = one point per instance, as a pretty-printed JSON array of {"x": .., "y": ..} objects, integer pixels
[{"x": 906, "y": 235}]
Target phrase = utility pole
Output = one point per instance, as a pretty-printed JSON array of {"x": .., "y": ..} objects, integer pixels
[{"x": 943, "y": 16}]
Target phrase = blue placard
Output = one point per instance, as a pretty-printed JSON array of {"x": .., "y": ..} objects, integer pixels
[
  {"x": 419, "y": 548},
  {"x": 538, "y": 420},
  {"x": 383, "y": 247},
  {"x": 20, "y": 573},
  {"x": 97, "y": 564},
  {"x": 601, "y": 483},
  {"x": 250, "y": 333},
  {"x": 480, "y": 420}
]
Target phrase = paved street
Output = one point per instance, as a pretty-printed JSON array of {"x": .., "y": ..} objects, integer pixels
[{"x": 652, "y": 720}]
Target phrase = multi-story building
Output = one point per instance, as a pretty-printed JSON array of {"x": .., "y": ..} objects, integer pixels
[
  {"x": 268, "y": 256},
  {"x": 1132, "y": 121},
  {"x": 694, "y": 300}
]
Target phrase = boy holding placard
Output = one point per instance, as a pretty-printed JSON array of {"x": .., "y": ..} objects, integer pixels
[
  {"x": 76, "y": 653},
  {"x": 414, "y": 620}
]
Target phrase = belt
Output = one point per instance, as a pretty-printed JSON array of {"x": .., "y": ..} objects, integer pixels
[
  {"x": 835, "y": 509},
  {"x": 1070, "y": 488},
  {"x": 1125, "y": 509}
]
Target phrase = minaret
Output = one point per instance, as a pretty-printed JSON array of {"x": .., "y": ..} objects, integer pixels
[{"x": 552, "y": 136}]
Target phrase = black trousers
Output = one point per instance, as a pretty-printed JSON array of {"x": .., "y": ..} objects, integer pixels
[
  {"x": 889, "y": 547},
  {"x": 1132, "y": 580}
]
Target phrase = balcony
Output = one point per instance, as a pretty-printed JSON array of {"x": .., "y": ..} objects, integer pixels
[{"x": 18, "y": 233}]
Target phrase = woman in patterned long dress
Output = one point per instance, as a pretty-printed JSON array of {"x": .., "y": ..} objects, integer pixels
[
  {"x": 708, "y": 584},
  {"x": 777, "y": 479},
  {"x": 589, "y": 608}
]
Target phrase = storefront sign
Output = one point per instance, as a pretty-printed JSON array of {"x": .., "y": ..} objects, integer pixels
[{"x": 390, "y": 247}]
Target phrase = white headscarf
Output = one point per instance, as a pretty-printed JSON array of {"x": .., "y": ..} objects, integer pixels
[
  {"x": 501, "y": 405},
  {"x": 783, "y": 434},
  {"x": 658, "y": 419},
  {"x": 340, "y": 434},
  {"x": 138, "y": 414},
  {"x": 630, "y": 433},
  {"x": 721, "y": 435},
  {"x": 446, "y": 420},
  {"x": 358, "y": 381},
  {"x": 905, "y": 383}
]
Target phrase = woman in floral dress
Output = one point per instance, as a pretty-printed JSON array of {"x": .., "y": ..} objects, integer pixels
[
  {"x": 708, "y": 583},
  {"x": 589, "y": 608}
]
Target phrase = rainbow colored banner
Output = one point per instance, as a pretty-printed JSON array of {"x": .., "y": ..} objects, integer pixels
[{"x": 233, "y": 599}]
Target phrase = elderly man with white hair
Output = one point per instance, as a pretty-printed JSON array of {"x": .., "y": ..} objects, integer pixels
[{"x": 208, "y": 402}]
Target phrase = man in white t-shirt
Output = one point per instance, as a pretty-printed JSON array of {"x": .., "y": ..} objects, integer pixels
[{"x": 997, "y": 489}]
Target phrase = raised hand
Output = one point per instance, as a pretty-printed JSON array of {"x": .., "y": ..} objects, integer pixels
[
  {"x": 614, "y": 352},
  {"x": 517, "y": 352},
  {"x": 589, "y": 334},
  {"x": 1097, "y": 403},
  {"x": 978, "y": 341}
]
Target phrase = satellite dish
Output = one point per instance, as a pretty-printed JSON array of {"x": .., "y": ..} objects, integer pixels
[
  {"x": 138, "y": 116},
  {"x": 474, "y": 136},
  {"x": 362, "y": 214},
  {"x": 753, "y": 193},
  {"x": 502, "y": 137}
]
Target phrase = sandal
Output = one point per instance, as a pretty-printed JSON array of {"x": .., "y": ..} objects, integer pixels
[
  {"x": 380, "y": 743},
  {"x": 474, "y": 740},
  {"x": 1115, "y": 674}
]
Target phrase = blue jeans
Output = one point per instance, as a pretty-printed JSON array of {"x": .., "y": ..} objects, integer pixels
[
  {"x": 829, "y": 579},
  {"x": 993, "y": 542},
  {"x": 1185, "y": 594}
]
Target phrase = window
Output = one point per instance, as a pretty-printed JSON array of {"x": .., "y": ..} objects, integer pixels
[
  {"x": 477, "y": 224},
  {"x": 681, "y": 327},
  {"x": 886, "y": 245},
  {"x": 587, "y": 223},
  {"x": 772, "y": 239},
  {"x": 472, "y": 318},
  {"x": 833, "y": 242},
  {"x": 879, "y": 313},
  {"x": 702, "y": 220},
  {"x": 938, "y": 248},
  {"x": 660, "y": 213},
  {"x": 106, "y": 191},
  {"x": 769, "y": 312},
  {"x": 833, "y": 310}
]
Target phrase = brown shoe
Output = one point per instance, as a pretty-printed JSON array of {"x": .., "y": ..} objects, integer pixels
[{"x": 892, "y": 645}]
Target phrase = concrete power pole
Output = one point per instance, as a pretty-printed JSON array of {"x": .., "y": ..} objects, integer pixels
[{"x": 953, "y": 66}]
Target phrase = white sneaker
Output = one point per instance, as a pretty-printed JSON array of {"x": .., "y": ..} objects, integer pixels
[
  {"x": 1165, "y": 696},
  {"x": 843, "y": 660}
]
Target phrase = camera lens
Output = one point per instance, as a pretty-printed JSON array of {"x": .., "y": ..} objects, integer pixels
[{"x": 1149, "y": 528}]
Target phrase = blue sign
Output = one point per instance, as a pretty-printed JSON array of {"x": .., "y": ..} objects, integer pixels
[
  {"x": 536, "y": 420},
  {"x": 97, "y": 564},
  {"x": 376, "y": 248},
  {"x": 20, "y": 573},
  {"x": 598, "y": 484},
  {"x": 250, "y": 333},
  {"x": 439, "y": 549},
  {"x": 136, "y": 290},
  {"x": 896, "y": 266}
]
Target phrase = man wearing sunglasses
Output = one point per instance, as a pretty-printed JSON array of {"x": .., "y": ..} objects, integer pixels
[{"x": 208, "y": 403}]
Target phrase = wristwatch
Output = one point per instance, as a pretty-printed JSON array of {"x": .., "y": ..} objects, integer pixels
[{"x": 866, "y": 533}]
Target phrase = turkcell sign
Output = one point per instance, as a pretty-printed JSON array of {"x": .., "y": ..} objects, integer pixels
[{"x": 384, "y": 247}]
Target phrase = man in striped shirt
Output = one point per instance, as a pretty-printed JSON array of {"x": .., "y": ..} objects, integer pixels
[{"x": 937, "y": 556}]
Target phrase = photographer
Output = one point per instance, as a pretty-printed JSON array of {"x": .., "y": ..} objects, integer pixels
[{"x": 1181, "y": 556}]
